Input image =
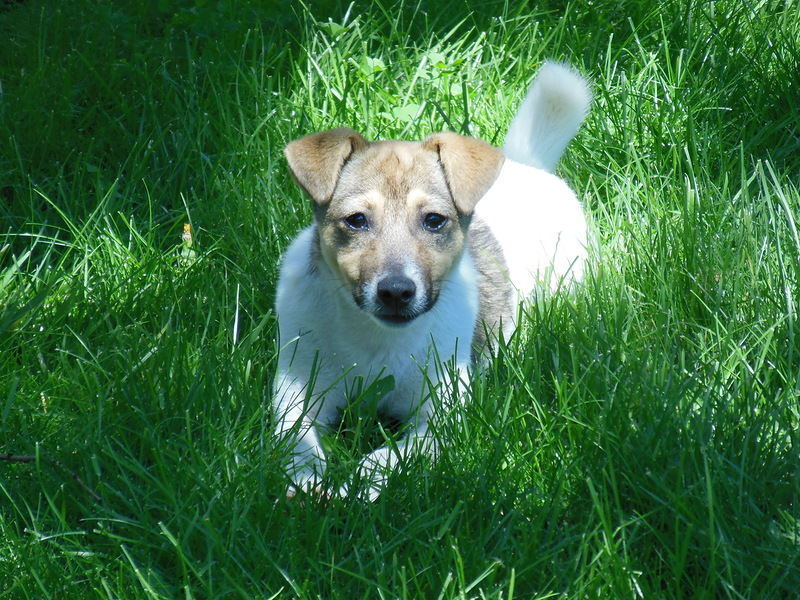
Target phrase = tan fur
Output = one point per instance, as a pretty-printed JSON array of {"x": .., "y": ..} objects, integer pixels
[
  {"x": 316, "y": 160},
  {"x": 497, "y": 298},
  {"x": 470, "y": 165}
]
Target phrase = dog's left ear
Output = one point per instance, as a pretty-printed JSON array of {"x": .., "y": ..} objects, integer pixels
[
  {"x": 470, "y": 166},
  {"x": 316, "y": 160}
]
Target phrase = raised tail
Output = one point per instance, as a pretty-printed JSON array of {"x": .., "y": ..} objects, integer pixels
[{"x": 549, "y": 117}]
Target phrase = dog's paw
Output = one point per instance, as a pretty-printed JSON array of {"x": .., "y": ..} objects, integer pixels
[
  {"x": 371, "y": 493},
  {"x": 291, "y": 492},
  {"x": 362, "y": 490},
  {"x": 314, "y": 496},
  {"x": 343, "y": 491},
  {"x": 373, "y": 475},
  {"x": 305, "y": 477}
]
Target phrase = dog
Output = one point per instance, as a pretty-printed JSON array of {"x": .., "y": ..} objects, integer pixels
[{"x": 418, "y": 257}]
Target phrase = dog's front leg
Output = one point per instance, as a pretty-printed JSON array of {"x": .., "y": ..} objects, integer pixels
[
  {"x": 374, "y": 469},
  {"x": 450, "y": 394},
  {"x": 307, "y": 457}
]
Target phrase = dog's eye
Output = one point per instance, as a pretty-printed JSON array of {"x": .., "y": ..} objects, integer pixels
[
  {"x": 357, "y": 221},
  {"x": 434, "y": 222}
]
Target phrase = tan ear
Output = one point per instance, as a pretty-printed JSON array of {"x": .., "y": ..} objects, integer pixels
[
  {"x": 470, "y": 166},
  {"x": 316, "y": 160}
]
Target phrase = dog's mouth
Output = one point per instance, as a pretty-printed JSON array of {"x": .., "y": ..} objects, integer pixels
[{"x": 396, "y": 320}]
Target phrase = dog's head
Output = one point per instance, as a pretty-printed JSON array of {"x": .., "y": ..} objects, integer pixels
[{"x": 392, "y": 217}]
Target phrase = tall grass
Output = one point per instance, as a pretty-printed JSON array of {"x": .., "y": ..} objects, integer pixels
[{"x": 638, "y": 438}]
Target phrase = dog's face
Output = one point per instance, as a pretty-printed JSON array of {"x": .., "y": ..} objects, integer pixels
[{"x": 392, "y": 217}]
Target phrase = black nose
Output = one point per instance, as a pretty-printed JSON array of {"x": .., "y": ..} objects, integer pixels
[{"x": 396, "y": 292}]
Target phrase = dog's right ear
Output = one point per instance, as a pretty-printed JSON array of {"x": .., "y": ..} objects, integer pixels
[{"x": 316, "y": 160}]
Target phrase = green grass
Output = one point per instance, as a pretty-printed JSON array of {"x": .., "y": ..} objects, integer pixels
[{"x": 639, "y": 439}]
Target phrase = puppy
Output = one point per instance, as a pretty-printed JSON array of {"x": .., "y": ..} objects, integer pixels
[{"x": 418, "y": 258}]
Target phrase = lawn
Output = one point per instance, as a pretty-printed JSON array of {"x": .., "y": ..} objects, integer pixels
[{"x": 639, "y": 438}]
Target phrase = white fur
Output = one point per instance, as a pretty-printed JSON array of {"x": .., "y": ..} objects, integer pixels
[
  {"x": 540, "y": 225},
  {"x": 550, "y": 116},
  {"x": 327, "y": 343}
]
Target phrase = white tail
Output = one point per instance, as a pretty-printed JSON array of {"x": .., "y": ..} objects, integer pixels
[{"x": 550, "y": 116}]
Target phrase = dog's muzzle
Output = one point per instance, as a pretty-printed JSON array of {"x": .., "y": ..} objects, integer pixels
[{"x": 396, "y": 295}]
